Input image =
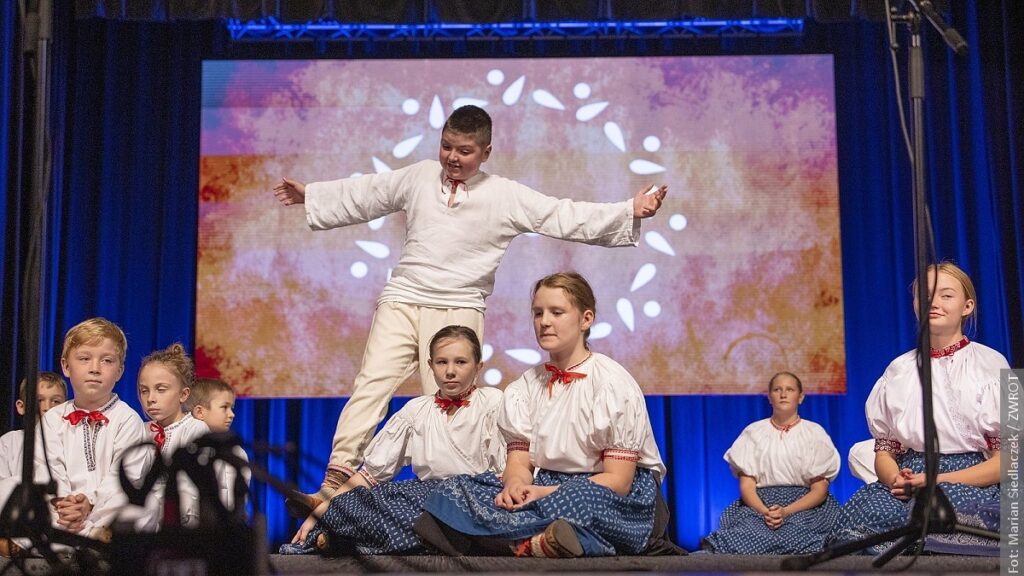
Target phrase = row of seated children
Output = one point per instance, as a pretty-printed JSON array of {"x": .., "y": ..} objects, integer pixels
[
  {"x": 582, "y": 470},
  {"x": 784, "y": 464},
  {"x": 82, "y": 442}
]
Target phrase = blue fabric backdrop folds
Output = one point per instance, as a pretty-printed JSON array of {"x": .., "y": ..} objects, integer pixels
[{"x": 123, "y": 219}]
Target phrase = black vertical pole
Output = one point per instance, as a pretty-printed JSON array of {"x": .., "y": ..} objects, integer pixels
[
  {"x": 38, "y": 27},
  {"x": 922, "y": 236}
]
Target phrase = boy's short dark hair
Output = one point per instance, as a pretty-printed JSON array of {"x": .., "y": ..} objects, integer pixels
[
  {"x": 204, "y": 389},
  {"x": 473, "y": 120},
  {"x": 51, "y": 378}
]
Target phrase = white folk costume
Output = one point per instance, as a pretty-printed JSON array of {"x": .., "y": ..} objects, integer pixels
[
  {"x": 569, "y": 422},
  {"x": 86, "y": 449},
  {"x": 11, "y": 454},
  {"x": 783, "y": 463},
  {"x": 861, "y": 460},
  {"x": 421, "y": 435},
  {"x": 425, "y": 292},
  {"x": 168, "y": 440},
  {"x": 966, "y": 397},
  {"x": 226, "y": 475}
]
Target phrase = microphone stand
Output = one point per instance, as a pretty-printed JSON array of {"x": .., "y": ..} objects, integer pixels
[{"x": 932, "y": 512}]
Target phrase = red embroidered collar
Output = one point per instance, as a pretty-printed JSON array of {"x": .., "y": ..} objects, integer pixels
[
  {"x": 785, "y": 428},
  {"x": 446, "y": 404},
  {"x": 951, "y": 349}
]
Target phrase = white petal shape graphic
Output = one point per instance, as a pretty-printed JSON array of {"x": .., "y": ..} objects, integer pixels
[
  {"x": 388, "y": 275},
  {"x": 652, "y": 309},
  {"x": 410, "y": 106},
  {"x": 600, "y": 330},
  {"x": 380, "y": 167},
  {"x": 514, "y": 91},
  {"x": 644, "y": 167},
  {"x": 625, "y": 309},
  {"x": 525, "y": 355},
  {"x": 467, "y": 101},
  {"x": 359, "y": 269},
  {"x": 588, "y": 111},
  {"x": 677, "y": 222},
  {"x": 376, "y": 223},
  {"x": 375, "y": 249},
  {"x": 485, "y": 352},
  {"x": 547, "y": 99},
  {"x": 492, "y": 377},
  {"x": 658, "y": 242},
  {"x": 405, "y": 147},
  {"x": 436, "y": 114},
  {"x": 614, "y": 134},
  {"x": 495, "y": 77},
  {"x": 644, "y": 275}
]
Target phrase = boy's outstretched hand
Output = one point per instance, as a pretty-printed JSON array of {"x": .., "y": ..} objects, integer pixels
[
  {"x": 290, "y": 192},
  {"x": 646, "y": 205}
]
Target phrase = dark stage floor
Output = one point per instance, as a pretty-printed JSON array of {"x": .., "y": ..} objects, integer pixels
[
  {"x": 664, "y": 564},
  {"x": 705, "y": 563}
]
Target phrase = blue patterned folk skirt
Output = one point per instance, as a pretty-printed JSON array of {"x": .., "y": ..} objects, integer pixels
[
  {"x": 742, "y": 529},
  {"x": 873, "y": 510},
  {"x": 981, "y": 515},
  {"x": 371, "y": 521},
  {"x": 606, "y": 523}
]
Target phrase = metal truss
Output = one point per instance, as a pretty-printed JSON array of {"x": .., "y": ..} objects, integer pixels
[{"x": 271, "y": 30}]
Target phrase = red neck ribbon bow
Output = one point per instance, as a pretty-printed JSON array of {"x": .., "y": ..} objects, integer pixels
[
  {"x": 559, "y": 375},
  {"x": 159, "y": 436},
  {"x": 78, "y": 415}
]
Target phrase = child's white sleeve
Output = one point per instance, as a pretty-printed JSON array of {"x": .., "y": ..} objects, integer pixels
[{"x": 338, "y": 203}]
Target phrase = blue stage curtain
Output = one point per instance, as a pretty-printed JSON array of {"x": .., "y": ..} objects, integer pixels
[
  {"x": 124, "y": 213},
  {"x": 10, "y": 148}
]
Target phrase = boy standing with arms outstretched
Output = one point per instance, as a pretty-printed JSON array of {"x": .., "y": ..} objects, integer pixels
[
  {"x": 460, "y": 221},
  {"x": 88, "y": 437}
]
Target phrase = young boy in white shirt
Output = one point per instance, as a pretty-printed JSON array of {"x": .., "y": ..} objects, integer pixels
[
  {"x": 50, "y": 391},
  {"x": 213, "y": 401},
  {"x": 88, "y": 438}
]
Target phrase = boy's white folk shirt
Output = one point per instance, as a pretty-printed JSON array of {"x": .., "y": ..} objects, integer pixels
[
  {"x": 73, "y": 449},
  {"x": 474, "y": 234}
]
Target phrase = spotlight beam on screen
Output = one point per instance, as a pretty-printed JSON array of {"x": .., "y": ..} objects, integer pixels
[{"x": 738, "y": 277}]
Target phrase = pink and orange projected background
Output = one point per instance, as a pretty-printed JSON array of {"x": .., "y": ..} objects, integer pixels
[{"x": 737, "y": 277}]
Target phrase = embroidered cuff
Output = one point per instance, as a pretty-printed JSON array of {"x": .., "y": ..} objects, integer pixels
[
  {"x": 519, "y": 446},
  {"x": 620, "y": 454},
  {"x": 889, "y": 445},
  {"x": 992, "y": 442},
  {"x": 368, "y": 477}
]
